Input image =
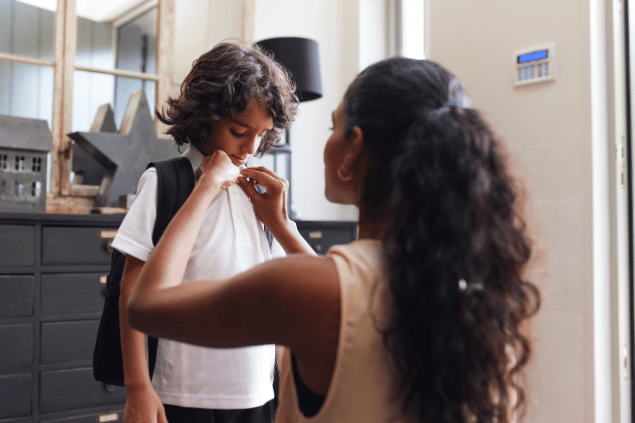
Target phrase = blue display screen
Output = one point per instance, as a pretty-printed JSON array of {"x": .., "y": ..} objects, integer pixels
[{"x": 534, "y": 55}]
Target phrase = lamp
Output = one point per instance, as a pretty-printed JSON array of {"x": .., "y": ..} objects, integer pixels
[{"x": 300, "y": 57}]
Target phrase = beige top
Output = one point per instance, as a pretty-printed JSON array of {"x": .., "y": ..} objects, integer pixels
[{"x": 363, "y": 382}]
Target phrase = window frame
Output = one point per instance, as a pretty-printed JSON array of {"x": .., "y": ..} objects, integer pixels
[{"x": 63, "y": 192}]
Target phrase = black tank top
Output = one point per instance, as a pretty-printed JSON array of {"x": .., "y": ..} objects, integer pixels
[{"x": 309, "y": 401}]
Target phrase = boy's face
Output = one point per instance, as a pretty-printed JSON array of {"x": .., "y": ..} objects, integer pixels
[{"x": 239, "y": 136}]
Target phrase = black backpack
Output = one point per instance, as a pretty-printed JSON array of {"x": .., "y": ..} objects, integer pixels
[{"x": 175, "y": 183}]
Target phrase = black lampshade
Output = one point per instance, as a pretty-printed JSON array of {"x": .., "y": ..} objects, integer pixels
[{"x": 300, "y": 56}]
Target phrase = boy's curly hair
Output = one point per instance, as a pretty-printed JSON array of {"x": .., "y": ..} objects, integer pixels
[{"x": 221, "y": 83}]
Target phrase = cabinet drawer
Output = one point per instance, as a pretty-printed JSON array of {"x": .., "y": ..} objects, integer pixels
[
  {"x": 105, "y": 417},
  {"x": 17, "y": 245},
  {"x": 76, "y": 245},
  {"x": 74, "y": 389},
  {"x": 66, "y": 342},
  {"x": 70, "y": 293},
  {"x": 323, "y": 239},
  {"x": 16, "y": 346},
  {"x": 15, "y": 396},
  {"x": 16, "y": 295}
]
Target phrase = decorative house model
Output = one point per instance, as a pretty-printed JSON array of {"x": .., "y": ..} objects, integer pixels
[{"x": 24, "y": 144}]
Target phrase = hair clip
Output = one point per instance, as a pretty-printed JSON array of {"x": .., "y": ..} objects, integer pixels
[
  {"x": 462, "y": 285},
  {"x": 474, "y": 286}
]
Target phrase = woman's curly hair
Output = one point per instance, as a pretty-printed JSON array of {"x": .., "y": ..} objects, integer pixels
[
  {"x": 457, "y": 244},
  {"x": 221, "y": 83}
]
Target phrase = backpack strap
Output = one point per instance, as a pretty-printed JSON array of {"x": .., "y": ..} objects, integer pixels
[
  {"x": 268, "y": 233},
  {"x": 269, "y": 236},
  {"x": 175, "y": 183}
]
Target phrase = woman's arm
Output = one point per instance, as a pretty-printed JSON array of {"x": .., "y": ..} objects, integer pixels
[
  {"x": 292, "y": 301},
  {"x": 271, "y": 208},
  {"x": 280, "y": 301}
]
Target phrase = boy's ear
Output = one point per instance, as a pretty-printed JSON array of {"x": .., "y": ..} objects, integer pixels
[{"x": 353, "y": 154}]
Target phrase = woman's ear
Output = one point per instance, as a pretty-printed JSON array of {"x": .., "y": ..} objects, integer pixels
[{"x": 353, "y": 154}]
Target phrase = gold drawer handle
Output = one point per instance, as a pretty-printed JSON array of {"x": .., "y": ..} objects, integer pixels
[
  {"x": 108, "y": 418},
  {"x": 315, "y": 234},
  {"x": 108, "y": 234},
  {"x": 103, "y": 279}
]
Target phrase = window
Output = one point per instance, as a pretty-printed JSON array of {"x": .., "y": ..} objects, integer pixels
[
  {"x": 26, "y": 79},
  {"x": 411, "y": 36},
  {"x": 19, "y": 189},
  {"x": 125, "y": 44},
  {"x": 36, "y": 188},
  {"x": 36, "y": 165},
  {"x": 20, "y": 164},
  {"x": 61, "y": 59}
]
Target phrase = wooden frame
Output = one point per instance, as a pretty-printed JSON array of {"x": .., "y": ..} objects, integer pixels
[{"x": 64, "y": 196}]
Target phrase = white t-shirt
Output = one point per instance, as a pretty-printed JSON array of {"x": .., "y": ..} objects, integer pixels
[{"x": 231, "y": 240}]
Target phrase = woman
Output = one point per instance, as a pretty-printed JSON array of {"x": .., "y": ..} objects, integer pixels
[{"x": 422, "y": 318}]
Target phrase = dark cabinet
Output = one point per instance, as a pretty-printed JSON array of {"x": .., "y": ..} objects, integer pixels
[
  {"x": 18, "y": 245},
  {"x": 74, "y": 389},
  {"x": 16, "y": 295},
  {"x": 65, "y": 342},
  {"x": 17, "y": 345},
  {"x": 16, "y": 396},
  {"x": 53, "y": 271},
  {"x": 52, "y": 274},
  {"x": 72, "y": 293},
  {"x": 323, "y": 235}
]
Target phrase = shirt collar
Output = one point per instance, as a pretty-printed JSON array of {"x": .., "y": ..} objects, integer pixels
[{"x": 194, "y": 156}]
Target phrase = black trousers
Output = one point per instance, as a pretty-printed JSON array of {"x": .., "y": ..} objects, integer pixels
[{"x": 264, "y": 414}]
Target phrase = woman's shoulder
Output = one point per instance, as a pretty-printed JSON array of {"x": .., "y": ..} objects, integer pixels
[{"x": 366, "y": 253}]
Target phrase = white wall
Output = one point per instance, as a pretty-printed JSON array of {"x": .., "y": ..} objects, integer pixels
[
  {"x": 190, "y": 35},
  {"x": 549, "y": 130},
  {"x": 328, "y": 23}
]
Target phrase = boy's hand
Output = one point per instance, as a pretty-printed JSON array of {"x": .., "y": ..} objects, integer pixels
[
  {"x": 143, "y": 406},
  {"x": 217, "y": 170},
  {"x": 270, "y": 206}
]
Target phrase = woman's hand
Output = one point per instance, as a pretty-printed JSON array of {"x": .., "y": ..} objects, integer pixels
[
  {"x": 217, "y": 171},
  {"x": 271, "y": 205}
]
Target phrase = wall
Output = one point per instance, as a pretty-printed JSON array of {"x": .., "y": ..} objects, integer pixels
[
  {"x": 326, "y": 23},
  {"x": 549, "y": 131},
  {"x": 201, "y": 24}
]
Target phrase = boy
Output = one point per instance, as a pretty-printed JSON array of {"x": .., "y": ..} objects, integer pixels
[{"x": 236, "y": 100}]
